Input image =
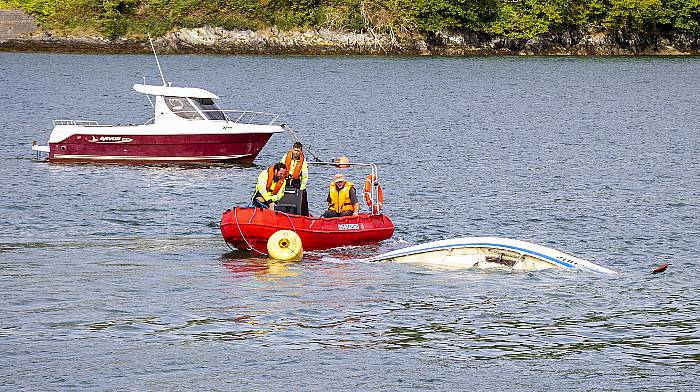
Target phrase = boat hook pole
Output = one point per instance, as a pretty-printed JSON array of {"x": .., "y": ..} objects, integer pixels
[{"x": 286, "y": 127}]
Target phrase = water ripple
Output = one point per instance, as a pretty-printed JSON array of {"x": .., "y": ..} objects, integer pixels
[{"x": 117, "y": 276}]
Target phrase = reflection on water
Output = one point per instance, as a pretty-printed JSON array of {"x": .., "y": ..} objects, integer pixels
[{"x": 241, "y": 263}]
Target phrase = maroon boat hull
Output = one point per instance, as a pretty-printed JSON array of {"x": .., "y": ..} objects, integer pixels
[
  {"x": 191, "y": 148},
  {"x": 250, "y": 228}
]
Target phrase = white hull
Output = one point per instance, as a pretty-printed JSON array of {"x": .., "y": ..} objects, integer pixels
[{"x": 488, "y": 253}]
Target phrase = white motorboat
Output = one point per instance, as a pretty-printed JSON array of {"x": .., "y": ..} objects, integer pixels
[{"x": 187, "y": 127}]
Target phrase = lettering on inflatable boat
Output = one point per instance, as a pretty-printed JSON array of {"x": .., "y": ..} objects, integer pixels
[
  {"x": 111, "y": 139},
  {"x": 349, "y": 226}
]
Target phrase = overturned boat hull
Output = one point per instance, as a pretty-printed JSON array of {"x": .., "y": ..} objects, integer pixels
[
  {"x": 488, "y": 253},
  {"x": 250, "y": 228}
]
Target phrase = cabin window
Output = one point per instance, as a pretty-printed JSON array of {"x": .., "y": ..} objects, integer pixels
[
  {"x": 209, "y": 108},
  {"x": 182, "y": 107}
]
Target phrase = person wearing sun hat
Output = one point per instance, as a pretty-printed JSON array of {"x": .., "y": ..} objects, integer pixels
[{"x": 342, "y": 198}]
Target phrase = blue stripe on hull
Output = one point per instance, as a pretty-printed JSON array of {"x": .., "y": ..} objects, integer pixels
[{"x": 483, "y": 244}]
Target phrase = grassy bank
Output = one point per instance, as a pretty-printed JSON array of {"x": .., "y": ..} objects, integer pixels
[{"x": 508, "y": 18}]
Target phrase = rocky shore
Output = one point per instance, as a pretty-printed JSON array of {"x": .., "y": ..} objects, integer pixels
[{"x": 329, "y": 42}]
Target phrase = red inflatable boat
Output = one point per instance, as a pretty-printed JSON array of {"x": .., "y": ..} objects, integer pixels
[{"x": 250, "y": 228}]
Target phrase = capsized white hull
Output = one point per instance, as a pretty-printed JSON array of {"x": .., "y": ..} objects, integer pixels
[{"x": 488, "y": 253}]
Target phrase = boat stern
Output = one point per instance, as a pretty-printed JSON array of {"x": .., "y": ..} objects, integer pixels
[{"x": 40, "y": 149}]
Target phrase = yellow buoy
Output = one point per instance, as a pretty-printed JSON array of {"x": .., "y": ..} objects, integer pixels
[{"x": 285, "y": 245}]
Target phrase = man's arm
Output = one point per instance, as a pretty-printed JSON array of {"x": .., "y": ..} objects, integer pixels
[
  {"x": 277, "y": 196},
  {"x": 262, "y": 187},
  {"x": 304, "y": 175},
  {"x": 354, "y": 201}
]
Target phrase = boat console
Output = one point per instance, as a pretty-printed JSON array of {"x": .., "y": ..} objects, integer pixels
[{"x": 291, "y": 202}]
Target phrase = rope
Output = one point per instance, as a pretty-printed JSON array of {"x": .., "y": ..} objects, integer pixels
[
  {"x": 235, "y": 215},
  {"x": 255, "y": 211},
  {"x": 227, "y": 244},
  {"x": 290, "y": 221},
  {"x": 308, "y": 148}
]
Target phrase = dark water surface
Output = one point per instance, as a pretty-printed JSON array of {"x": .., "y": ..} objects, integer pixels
[{"x": 117, "y": 278}]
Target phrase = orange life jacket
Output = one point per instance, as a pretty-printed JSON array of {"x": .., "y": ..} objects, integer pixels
[
  {"x": 270, "y": 178},
  {"x": 297, "y": 168}
]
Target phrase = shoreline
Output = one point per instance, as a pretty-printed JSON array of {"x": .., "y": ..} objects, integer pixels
[{"x": 322, "y": 42}]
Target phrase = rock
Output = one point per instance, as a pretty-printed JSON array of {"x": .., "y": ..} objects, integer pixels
[
  {"x": 15, "y": 24},
  {"x": 209, "y": 39}
]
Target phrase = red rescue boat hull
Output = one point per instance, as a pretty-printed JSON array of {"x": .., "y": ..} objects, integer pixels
[{"x": 250, "y": 228}]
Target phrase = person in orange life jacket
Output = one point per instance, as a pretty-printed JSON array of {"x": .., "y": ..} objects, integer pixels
[
  {"x": 270, "y": 187},
  {"x": 342, "y": 198},
  {"x": 298, "y": 174}
]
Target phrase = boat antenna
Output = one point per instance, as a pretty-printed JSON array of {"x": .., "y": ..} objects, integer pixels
[{"x": 157, "y": 62}]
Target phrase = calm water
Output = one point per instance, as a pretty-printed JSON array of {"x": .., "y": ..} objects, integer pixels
[{"x": 117, "y": 277}]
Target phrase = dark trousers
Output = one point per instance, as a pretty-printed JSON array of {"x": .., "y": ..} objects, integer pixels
[{"x": 333, "y": 214}]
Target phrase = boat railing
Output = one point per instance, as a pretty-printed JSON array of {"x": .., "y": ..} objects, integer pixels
[
  {"x": 374, "y": 186},
  {"x": 235, "y": 116},
  {"x": 248, "y": 117},
  {"x": 75, "y": 122}
]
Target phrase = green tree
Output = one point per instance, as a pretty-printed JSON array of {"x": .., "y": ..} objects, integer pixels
[
  {"x": 577, "y": 12},
  {"x": 510, "y": 18},
  {"x": 637, "y": 15},
  {"x": 685, "y": 15},
  {"x": 35, "y": 7},
  {"x": 115, "y": 16},
  {"x": 526, "y": 19},
  {"x": 449, "y": 14}
]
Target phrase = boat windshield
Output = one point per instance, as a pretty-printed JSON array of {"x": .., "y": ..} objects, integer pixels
[
  {"x": 209, "y": 108},
  {"x": 182, "y": 108}
]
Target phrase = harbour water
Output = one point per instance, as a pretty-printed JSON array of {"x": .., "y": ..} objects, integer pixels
[{"x": 116, "y": 277}]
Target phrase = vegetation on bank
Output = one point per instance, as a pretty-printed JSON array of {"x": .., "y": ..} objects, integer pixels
[{"x": 509, "y": 18}]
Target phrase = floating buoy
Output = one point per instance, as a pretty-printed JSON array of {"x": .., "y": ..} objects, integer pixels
[
  {"x": 342, "y": 159},
  {"x": 660, "y": 269},
  {"x": 285, "y": 245}
]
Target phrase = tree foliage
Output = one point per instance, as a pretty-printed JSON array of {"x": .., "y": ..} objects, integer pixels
[
  {"x": 510, "y": 18},
  {"x": 35, "y": 7}
]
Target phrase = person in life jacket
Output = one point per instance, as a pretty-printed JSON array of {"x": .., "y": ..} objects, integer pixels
[
  {"x": 296, "y": 165},
  {"x": 342, "y": 198},
  {"x": 297, "y": 178},
  {"x": 270, "y": 187}
]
